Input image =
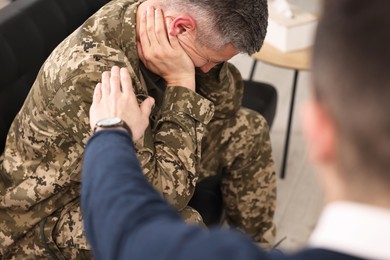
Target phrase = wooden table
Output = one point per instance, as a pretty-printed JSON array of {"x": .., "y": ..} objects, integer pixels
[{"x": 297, "y": 61}]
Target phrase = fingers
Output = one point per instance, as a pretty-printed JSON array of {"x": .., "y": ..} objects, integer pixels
[
  {"x": 127, "y": 86},
  {"x": 147, "y": 106},
  {"x": 150, "y": 26},
  {"x": 110, "y": 101},
  {"x": 97, "y": 93},
  {"x": 105, "y": 87},
  {"x": 143, "y": 37},
  {"x": 115, "y": 84},
  {"x": 160, "y": 29},
  {"x": 153, "y": 33}
]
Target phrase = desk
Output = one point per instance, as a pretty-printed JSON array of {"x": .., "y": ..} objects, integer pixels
[{"x": 297, "y": 60}]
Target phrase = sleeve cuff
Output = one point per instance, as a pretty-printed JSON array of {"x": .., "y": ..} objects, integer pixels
[{"x": 183, "y": 100}]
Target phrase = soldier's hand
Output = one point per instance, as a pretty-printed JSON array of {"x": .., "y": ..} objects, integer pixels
[
  {"x": 114, "y": 97},
  {"x": 162, "y": 53}
]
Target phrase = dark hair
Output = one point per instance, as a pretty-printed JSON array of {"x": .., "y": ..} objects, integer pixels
[
  {"x": 351, "y": 76},
  {"x": 241, "y": 23}
]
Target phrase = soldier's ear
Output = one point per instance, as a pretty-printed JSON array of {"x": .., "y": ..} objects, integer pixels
[{"x": 180, "y": 25}]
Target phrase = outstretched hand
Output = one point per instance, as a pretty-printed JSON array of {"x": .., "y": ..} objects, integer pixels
[
  {"x": 114, "y": 97},
  {"x": 162, "y": 52}
]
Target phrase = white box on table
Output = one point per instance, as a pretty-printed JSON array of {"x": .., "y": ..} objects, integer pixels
[{"x": 290, "y": 34}]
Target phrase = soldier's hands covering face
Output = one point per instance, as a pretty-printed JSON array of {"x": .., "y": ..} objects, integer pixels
[
  {"x": 162, "y": 53},
  {"x": 114, "y": 97}
]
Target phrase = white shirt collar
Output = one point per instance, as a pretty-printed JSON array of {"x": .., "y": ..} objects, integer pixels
[{"x": 355, "y": 229}]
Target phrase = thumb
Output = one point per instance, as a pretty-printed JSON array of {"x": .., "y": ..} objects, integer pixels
[{"x": 147, "y": 106}]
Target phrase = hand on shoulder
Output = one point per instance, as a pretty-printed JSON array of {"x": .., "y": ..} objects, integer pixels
[{"x": 114, "y": 97}]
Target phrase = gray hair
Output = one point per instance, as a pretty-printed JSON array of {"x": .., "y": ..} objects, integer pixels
[{"x": 219, "y": 22}]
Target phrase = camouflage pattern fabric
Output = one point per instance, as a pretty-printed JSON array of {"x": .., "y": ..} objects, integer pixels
[
  {"x": 237, "y": 144},
  {"x": 239, "y": 148},
  {"x": 40, "y": 169}
]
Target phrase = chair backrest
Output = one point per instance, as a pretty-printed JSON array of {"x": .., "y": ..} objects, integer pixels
[{"x": 29, "y": 31}]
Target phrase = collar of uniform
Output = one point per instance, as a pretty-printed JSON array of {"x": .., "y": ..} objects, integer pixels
[{"x": 355, "y": 229}]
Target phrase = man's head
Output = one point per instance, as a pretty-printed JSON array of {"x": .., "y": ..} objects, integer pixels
[
  {"x": 213, "y": 31},
  {"x": 348, "y": 124}
]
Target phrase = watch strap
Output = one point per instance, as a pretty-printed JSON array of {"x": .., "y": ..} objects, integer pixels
[{"x": 121, "y": 124}]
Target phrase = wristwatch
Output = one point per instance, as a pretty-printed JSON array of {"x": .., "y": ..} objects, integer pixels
[{"x": 112, "y": 122}]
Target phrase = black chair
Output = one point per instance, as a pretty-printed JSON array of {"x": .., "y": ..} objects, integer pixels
[
  {"x": 29, "y": 31},
  {"x": 261, "y": 97},
  {"x": 207, "y": 198}
]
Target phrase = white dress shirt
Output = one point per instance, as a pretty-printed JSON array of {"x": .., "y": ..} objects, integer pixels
[{"x": 354, "y": 229}]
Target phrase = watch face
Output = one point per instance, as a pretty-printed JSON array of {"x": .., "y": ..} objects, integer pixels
[{"x": 107, "y": 122}]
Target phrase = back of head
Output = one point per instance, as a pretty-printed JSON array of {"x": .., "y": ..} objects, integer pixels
[
  {"x": 219, "y": 22},
  {"x": 351, "y": 76}
]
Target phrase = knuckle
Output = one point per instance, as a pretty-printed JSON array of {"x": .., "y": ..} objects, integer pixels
[{"x": 142, "y": 33}]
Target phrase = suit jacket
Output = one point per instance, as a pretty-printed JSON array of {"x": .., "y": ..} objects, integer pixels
[{"x": 125, "y": 218}]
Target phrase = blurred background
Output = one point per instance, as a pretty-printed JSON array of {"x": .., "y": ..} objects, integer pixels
[{"x": 300, "y": 198}]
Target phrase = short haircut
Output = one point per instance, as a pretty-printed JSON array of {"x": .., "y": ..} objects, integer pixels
[
  {"x": 219, "y": 22},
  {"x": 351, "y": 78}
]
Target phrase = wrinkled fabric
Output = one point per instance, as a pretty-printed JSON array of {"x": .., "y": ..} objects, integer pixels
[{"x": 40, "y": 173}]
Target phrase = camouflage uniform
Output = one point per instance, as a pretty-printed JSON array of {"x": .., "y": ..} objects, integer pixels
[{"x": 40, "y": 170}]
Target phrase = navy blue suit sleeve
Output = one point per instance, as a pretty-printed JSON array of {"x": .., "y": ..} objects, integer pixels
[{"x": 125, "y": 218}]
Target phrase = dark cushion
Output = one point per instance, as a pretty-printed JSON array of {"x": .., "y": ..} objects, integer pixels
[
  {"x": 29, "y": 31},
  {"x": 261, "y": 97},
  {"x": 208, "y": 201}
]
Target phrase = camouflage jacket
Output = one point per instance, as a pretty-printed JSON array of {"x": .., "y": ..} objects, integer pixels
[{"x": 41, "y": 164}]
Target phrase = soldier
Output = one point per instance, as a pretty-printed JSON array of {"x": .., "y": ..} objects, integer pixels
[
  {"x": 198, "y": 127},
  {"x": 346, "y": 123}
]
